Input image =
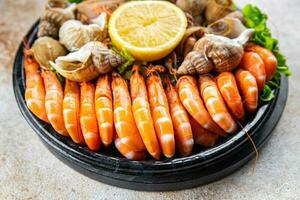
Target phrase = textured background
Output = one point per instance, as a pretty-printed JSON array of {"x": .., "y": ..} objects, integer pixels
[{"x": 29, "y": 171}]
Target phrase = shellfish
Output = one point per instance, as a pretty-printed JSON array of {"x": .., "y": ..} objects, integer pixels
[
  {"x": 47, "y": 49},
  {"x": 73, "y": 34},
  {"x": 56, "y": 4},
  {"x": 217, "y": 9},
  {"x": 228, "y": 26},
  {"x": 193, "y": 7},
  {"x": 90, "y": 9},
  {"x": 52, "y": 20},
  {"x": 91, "y": 60},
  {"x": 213, "y": 52}
]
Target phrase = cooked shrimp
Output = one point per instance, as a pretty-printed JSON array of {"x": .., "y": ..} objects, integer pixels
[
  {"x": 54, "y": 102},
  {"x": 127, "y": 151},
  {"x": 182, "y": 127},
  {"x": 230, "y": 93},
  {"x": 191, "y": 100},
  {"x": 88, "y": 119},
  {"x": 161, "y": 115},
  {"x": 215, "y": 104},
  {"x": 104, "y": 109},
  {"x": 71, "y": 111},
  {"x": 248, "y": 87},
  {"x": 202, "y": 136},
  {"x": 35, "y": 90},
  {"x": 253, "y": 63},
  {"x": 123, "y": 117},
  {"x": 267, "y": 56},
  {"x": 142, "y": 113}
]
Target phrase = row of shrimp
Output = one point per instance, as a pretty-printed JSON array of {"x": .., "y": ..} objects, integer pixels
[{"x": 151, "y": 115}]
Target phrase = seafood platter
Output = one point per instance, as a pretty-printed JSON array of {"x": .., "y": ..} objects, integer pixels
[{"x": 151, "y": 95}]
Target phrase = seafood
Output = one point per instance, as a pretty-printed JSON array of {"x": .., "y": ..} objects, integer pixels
[
  {"x": 123, "y": 117},
  {"x": 267, "y": 56},
  {"x": 35, "y": 91},
  {"x": 202, "y": 136},
  {"x": 249, "y": 90},
  {"x": 215, "y": 104},
  {"x": 54, "y": 102},
  {"x": 88, "y": 10},
  {"x": 193, "y": 7},
  {"x": 213, "y": 52},
  {"x": 47, "y": 49},
  {"x": 127, "y": 151},
  {"x": 253, "y": 63},
  {"x": 230, "y": 93},
  {"x": 73, "y": 34},
  {"x": 104, "y": 109},
  {"x": 191, "y": 100},
  {"x": 161, "y": 114},
  {"x": 93, "y": 59},
  {"x": 228, "y": 26},
  {"x": 56, "y": 4},
  {"x": 182, "y": 127},
  {"x": 52, "y": 20},
  {"x": 217, "y": 9},
  {"x": 71, "y": 111},
  {"x": 88, "y": 119},
  {"x": 142, "y": 113},
  {"x": 237, "y": 15}
]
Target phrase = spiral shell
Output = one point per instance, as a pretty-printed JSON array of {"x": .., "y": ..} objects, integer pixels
[
  {"x": 91, "y": 60},
  {"x": 217, "y": 9},
  {"x": 52, "y": 20},
  {"x": 56, "y": 4},
  {"x": 47, "y": 49},
  {"x": 213, "y": 52},
  {"x": 228, "y": 26},
  {"x": 88, "y": 10},
  {"x": 193, "y": 7},
  {"x": 73, "y": 34}
]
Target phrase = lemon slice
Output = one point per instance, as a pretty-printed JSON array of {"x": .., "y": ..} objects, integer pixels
[{"x": 149, "y": 30}]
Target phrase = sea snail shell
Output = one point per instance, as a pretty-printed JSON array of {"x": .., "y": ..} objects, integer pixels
[
  {"x": 91, "y": 60},
  {"x": 47, "y": 49},
  {"x": 213, "y": 52},
  {"x": 52, "y": 20},
  {"x": 73, "y": 34}
]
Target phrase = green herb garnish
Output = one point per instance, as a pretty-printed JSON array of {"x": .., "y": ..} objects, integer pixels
[
  {"x": 75, "y": 1},
  {"x": 129, "y": 60},
  {"x": 257, "y": 20}
]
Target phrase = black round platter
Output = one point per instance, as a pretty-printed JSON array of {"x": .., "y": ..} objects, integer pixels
[{"x": 202, "y": 167}]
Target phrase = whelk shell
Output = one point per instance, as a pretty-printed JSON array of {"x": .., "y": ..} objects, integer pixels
[
  {"x": 73, "y": 34},
  {"x": 213, "y": 52},
  {"x": 52, "y": 20},
  {"x": 90, "y": 9},
  {"x": 91, "y": 60},
  {"x": 47, "y": 49},
  {"x": 217, "y": 9}
]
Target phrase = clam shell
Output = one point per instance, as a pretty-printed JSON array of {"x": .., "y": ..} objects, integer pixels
[
  {"x": 47, "y": 49},
  {"x": 73, "y": 34},
  {"x": 91, "y": 60}
]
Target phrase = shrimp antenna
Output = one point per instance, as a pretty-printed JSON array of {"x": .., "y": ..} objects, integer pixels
[
  {"x": 154, "y": 69},
  {"x": 254, "y": 147},
  {"x": 27, "y": 51}
]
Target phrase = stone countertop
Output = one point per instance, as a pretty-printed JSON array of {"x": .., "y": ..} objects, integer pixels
[{"x": 29, "y": 171}]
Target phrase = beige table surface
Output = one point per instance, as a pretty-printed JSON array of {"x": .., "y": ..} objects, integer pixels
[{"x": 29, "y": 171}]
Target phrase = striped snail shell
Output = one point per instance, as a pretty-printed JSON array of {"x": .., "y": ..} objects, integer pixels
[
  {"x": 213, "y": 52},
  {"x": 91, "y": 60}
]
